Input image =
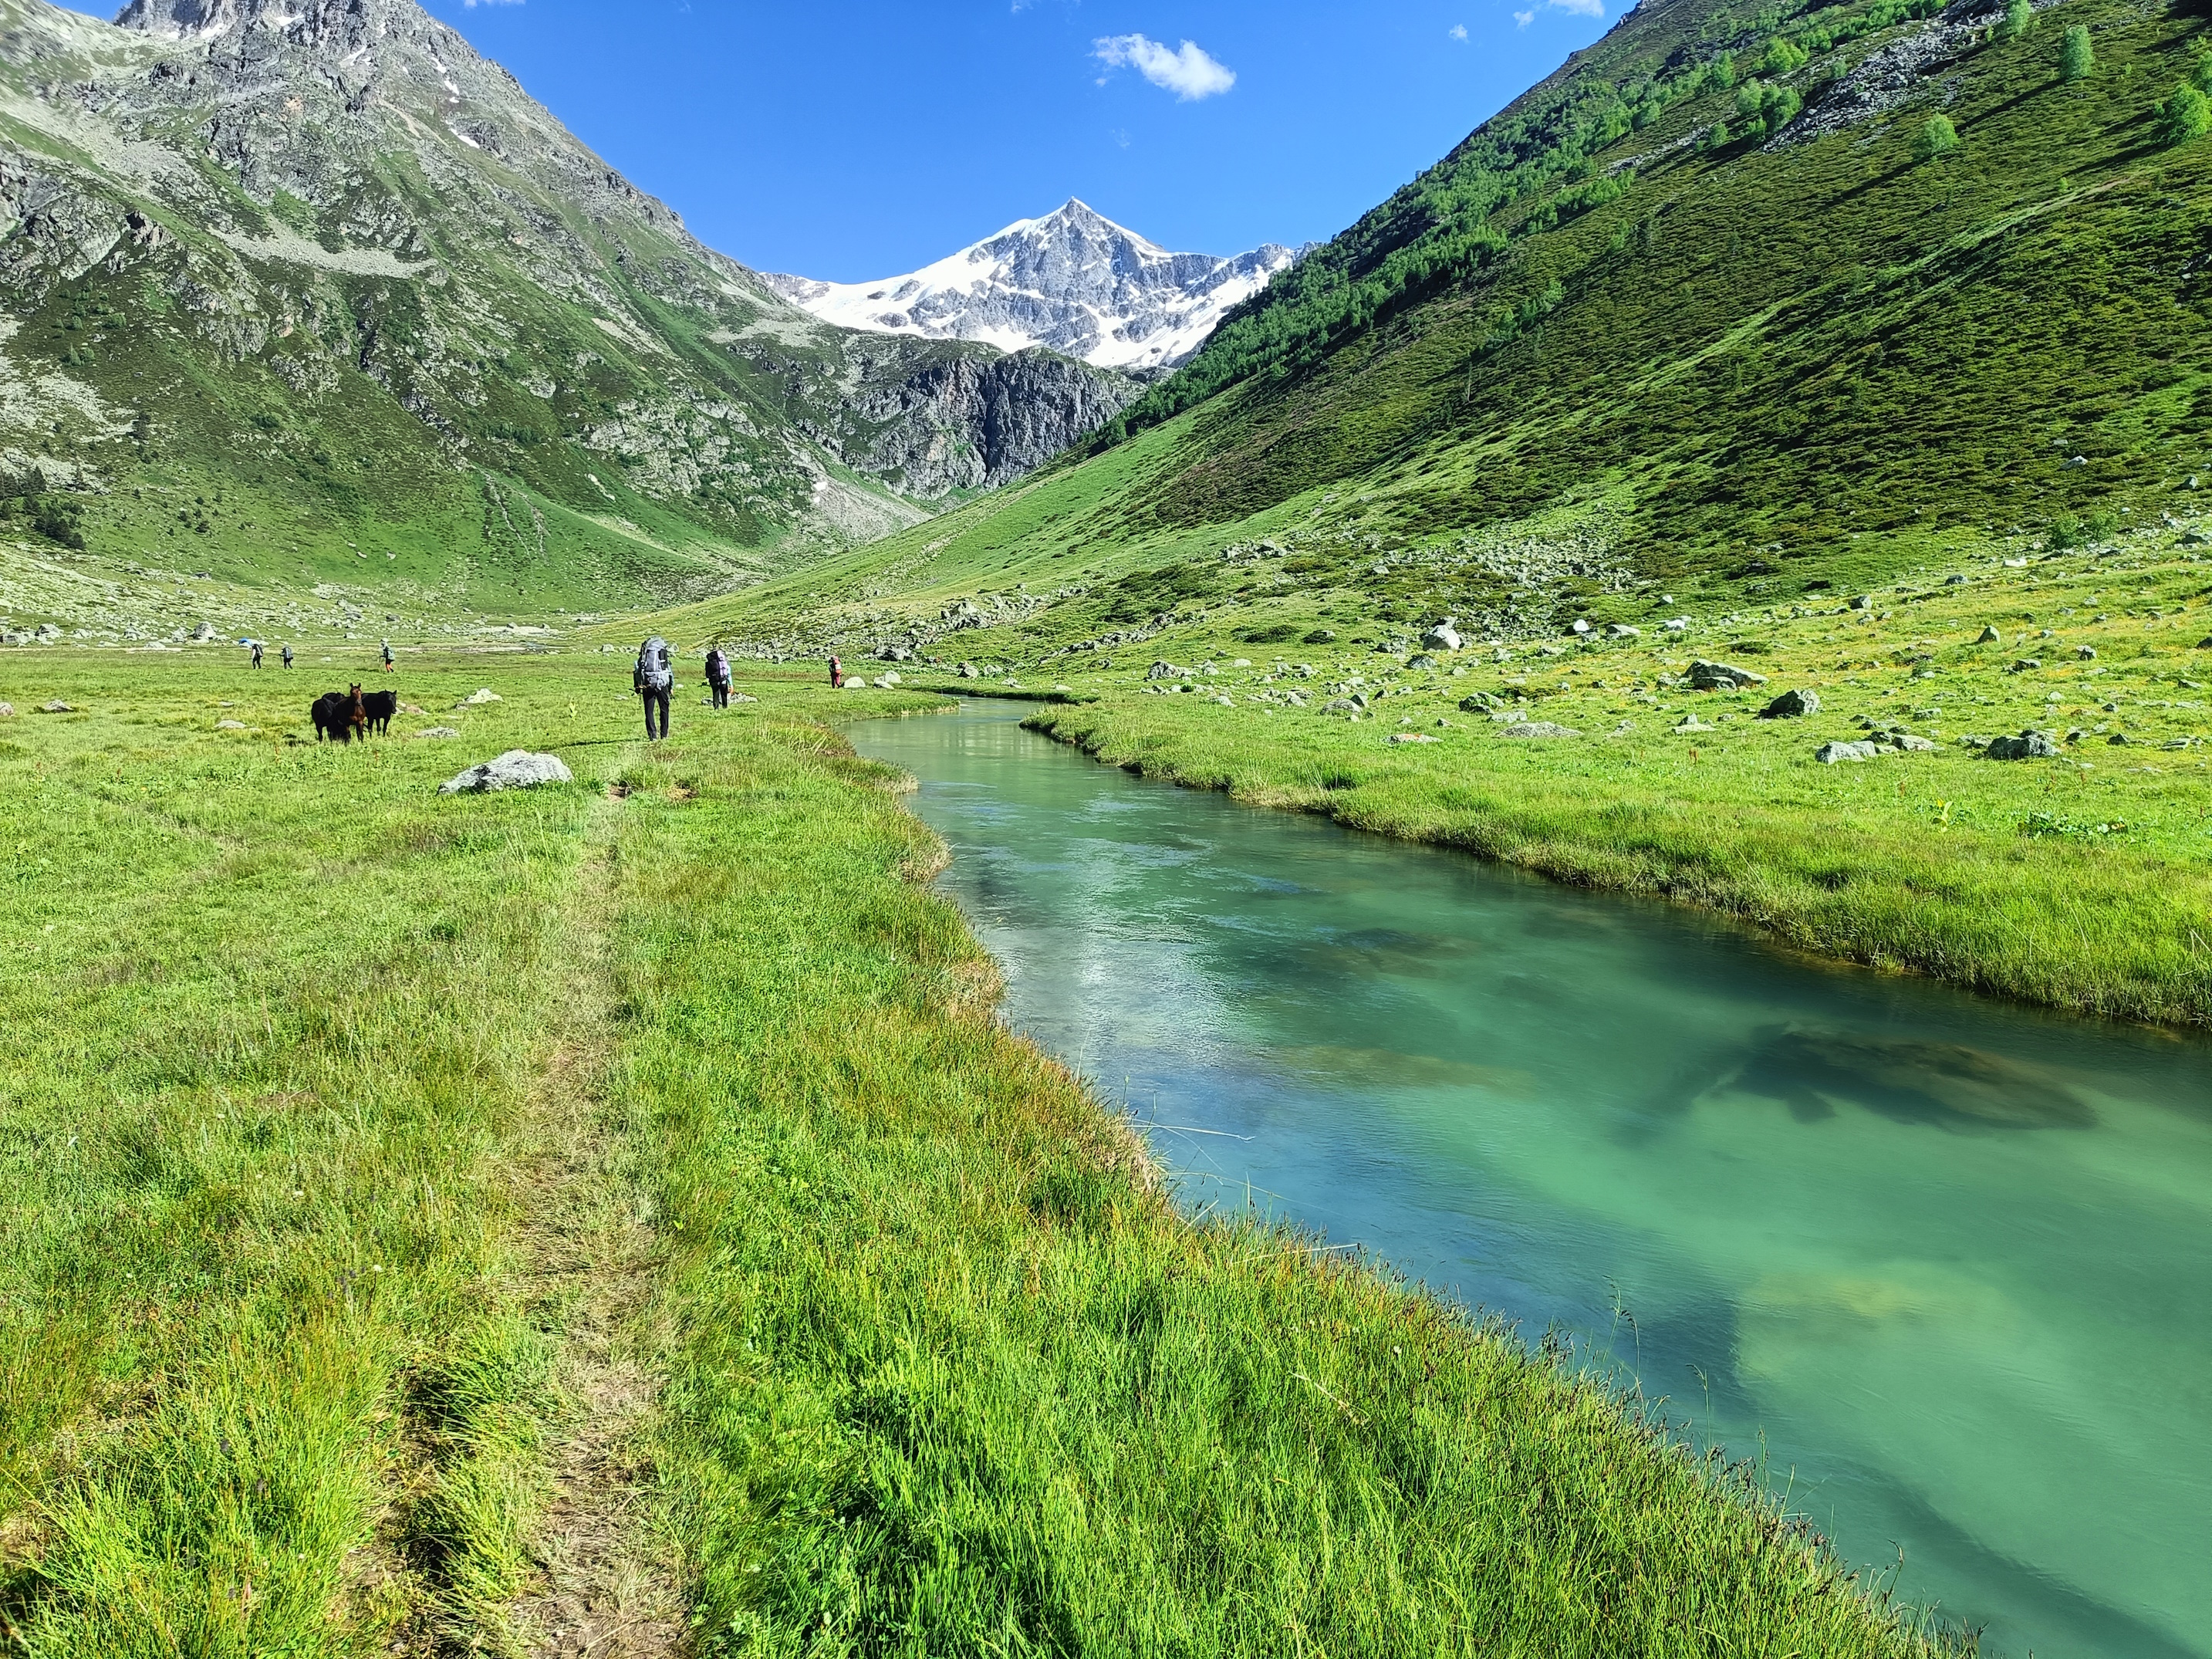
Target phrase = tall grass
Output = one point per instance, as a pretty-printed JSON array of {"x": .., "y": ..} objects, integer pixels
[
  {"x": 265, "y": 1382},
  {"x": 955, "y": 1377}
]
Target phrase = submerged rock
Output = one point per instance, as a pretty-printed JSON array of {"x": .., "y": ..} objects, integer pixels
[
  {"x": 518, "y": 769},
  {"x": 1947, "y": 1084}
]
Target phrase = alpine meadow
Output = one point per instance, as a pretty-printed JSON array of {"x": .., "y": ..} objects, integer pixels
[{"x": 480, "y": 1180}]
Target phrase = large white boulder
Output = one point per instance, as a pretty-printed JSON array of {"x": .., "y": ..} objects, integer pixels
[{"x": 518, "y": 769}]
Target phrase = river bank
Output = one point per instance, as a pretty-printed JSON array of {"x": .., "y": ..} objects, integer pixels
[
  {"x": 2079, "y": 878},
  {"x": 919, "y": 1351}
]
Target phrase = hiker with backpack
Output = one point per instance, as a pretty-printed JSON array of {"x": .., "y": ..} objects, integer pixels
[
  {"x": 837, "y": 675},
  {"x": 654, "y": 679},
  {"x": 718, "y": 676}
]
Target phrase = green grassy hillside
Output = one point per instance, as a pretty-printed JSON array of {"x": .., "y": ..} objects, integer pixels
[{"x": 1626, "y": 341}]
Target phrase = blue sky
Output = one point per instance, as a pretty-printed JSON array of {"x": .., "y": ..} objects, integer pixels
[{"x": 850, "y": 139}]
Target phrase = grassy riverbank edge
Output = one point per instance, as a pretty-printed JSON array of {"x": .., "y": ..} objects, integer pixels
[
  {"x": 2056, "y": 920},
  {"x": 959, "y": 1375}
]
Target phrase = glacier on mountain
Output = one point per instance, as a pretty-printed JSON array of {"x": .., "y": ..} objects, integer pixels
[{"x": 1073, "y": 281}]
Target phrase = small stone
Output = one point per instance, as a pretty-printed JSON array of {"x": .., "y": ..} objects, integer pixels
[
  {"x": 740, "y": 696},
  {"x": 1989, "y": 637},
  {"x": 1910, "y": 744},
  {"x": 968, "y": 671},
  {"x": 2086, "y": 653},
  {"x": 1829, "y": 754},
  {"x": 1159, "y": 670},
  {"x": 1792, "y": 705},
  {"x": 2026, "y": 665},
  {"x": 1582, "y": 625},
  {"x": 1955, "y": 582},
  {"x": 1442, "y": 637},
  {"x": 479, "y": 698},
  {"x": 230, "y": 725},
  {"x": 2205, "y": 644},
  {"x": 1477, "y": 702},
  {"x": 1421, "y": 664},
  {"x": 56, "y": 706},
  {"x": 2118, "y": 740},
  {"x": 1865, "y": 602},
  {"x": 1411, "y": 737},
  {"x": 1540, "y": 729},
  {"x": 439, "y": 732},
  {"x": 1690, "y": 725},
  {"x": 1623, "y": 631},
  {"x": 518, "y": 769},
  {"x": 7, "y": 711}
]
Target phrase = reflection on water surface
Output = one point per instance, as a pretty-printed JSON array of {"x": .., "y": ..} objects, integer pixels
[{"x": 1945, "y": 1264}]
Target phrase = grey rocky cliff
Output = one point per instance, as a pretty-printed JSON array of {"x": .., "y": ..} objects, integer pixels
[{"x": 342, "y": 192}]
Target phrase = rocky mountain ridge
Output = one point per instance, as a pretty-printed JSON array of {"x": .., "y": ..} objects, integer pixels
[
  {"x": 322, "y": 259},
  {"x": 1072, "y": 280}
]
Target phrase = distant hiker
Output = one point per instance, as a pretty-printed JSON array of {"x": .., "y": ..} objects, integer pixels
[
  {"x": 718, "y": 676},
  {"x": 387, "y": 656},
  {"x": 256, "y": 653},
  {"x": 654, "y": 679},
  {"x": 288, "y": 656},
  {"x": 837, "y": 675}
]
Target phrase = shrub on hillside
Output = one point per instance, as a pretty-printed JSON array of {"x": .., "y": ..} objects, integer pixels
[
  {"x": 2019, "y": 20},
  {"x": 2186, "y": 114},
  {"x": 2076, "y": 57},
  {"x": 1938, "y": 137}
]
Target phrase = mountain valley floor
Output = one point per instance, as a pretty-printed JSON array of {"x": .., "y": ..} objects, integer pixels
[{"x": 610, "y": 1216}]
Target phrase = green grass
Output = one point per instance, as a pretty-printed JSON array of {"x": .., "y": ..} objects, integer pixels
[
  {"x": 940, "y": 1368},
  {"x": 2082, "y": 881}
]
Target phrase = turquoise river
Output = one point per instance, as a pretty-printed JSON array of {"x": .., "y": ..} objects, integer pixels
[{"x": 1941, "y": 1265}]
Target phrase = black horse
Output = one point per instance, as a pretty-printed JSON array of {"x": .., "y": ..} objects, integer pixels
[
  {"x": 340, "y": 716},
  {"x": 379, "y": 707}
]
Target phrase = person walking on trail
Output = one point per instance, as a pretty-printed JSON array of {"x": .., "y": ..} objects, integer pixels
[
  {"x": 837, "y": 675},
  {"x": 654, "y": 679},
  {"x": 718, "y": 676},
  {"x": 387, "y": 656},
  {"x": 288, "y": 656},
  {"x": 256, "y": 653}
]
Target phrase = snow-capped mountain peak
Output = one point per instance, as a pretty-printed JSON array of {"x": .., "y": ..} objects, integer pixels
[{"x": 1073, "y": 280}]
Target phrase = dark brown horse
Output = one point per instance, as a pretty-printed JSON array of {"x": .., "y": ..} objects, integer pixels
[{"x": 340, "y": 716}]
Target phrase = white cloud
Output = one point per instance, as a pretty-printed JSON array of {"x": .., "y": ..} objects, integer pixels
[
  {"x": 1187, "y": 73},
  {"x": 1457, "y": 31},
  {"x": 1524, "y": 18},
  {"x": 1580, "y": 8}
]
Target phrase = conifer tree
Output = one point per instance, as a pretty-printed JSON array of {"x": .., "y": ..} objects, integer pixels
[{"x": 2076, "y": 57}]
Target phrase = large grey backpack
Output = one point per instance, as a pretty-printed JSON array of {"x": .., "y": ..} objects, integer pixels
[{"x": 655, "y": 668}]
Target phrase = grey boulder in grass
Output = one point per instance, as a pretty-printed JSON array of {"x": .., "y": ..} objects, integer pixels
[
  {"x": 1792, "y": 705},
  {"x": 518, "y": 769},
  {"x": 1722, "y": 676},
  {"x": 2028, "y": 745},
  {"x": 1540, "y": 729}
]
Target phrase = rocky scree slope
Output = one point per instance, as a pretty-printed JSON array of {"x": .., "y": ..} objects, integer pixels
[
  {"x": 312, "y": 292},
  {"x": 1706, "y": 318},
  {"x": 1073, "y": 281}
]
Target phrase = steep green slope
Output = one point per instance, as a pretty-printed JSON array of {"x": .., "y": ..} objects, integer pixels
[
  {"x": 1702, "y": 315},
  {"x": 314, "y": 294}
]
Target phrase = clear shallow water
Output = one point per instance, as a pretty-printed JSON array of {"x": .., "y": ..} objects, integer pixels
[{"x": 1945, "y": 1264}]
